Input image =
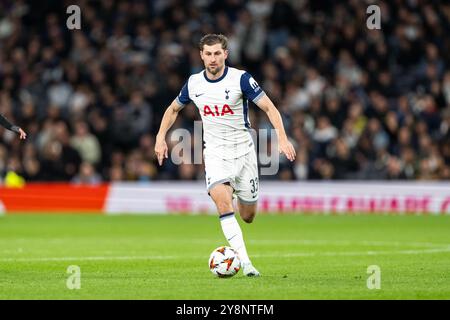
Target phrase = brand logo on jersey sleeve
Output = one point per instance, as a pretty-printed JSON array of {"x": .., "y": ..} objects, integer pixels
[{"x": 253, "y": 83}]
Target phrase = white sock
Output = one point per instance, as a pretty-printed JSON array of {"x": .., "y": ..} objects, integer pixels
[{"x": 233, "y": 234}]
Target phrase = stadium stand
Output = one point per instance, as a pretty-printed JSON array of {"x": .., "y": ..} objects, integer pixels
[{"x": 359, "y": 104}]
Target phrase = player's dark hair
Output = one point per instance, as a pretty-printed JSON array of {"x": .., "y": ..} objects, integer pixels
[{"x": 212, "y": 39}]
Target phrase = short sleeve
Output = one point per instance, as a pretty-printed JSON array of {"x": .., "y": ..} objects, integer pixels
[
  {"x": 183, "y": 98},
  {"x": 250, "y": 88}
]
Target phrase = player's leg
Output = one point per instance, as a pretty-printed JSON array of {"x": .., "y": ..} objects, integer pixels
[
  {"x": 247, "y": 211},
  {"x": 246, "y": 189},
  {"x": 220, "y": 184},
  {"x": 222, "y": 197}
]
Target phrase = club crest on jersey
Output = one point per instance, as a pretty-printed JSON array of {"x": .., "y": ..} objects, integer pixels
[
  {"x": 226, "y": 93},
  {"x": 210, "y": 111}
]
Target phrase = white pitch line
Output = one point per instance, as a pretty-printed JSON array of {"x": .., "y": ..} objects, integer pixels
[
  {"x": 322, "y": 242},
  {"x": 327, "y": 242},
  {"x": 348, "y": 242},
  {"x": 356, "y": 253},
  {"x": 264, "y": 242},
  {"x": 285, "y": 255},
  {"x": 98, "y": 258}
]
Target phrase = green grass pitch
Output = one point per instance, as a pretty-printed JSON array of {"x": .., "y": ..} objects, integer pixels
[{"x": 166, "y": 257}]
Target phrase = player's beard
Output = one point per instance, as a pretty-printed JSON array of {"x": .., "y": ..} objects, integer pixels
[{"x": 215, "y": 71}]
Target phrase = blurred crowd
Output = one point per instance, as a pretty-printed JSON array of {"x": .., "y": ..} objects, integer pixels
[{"x": 356, "y": 103}]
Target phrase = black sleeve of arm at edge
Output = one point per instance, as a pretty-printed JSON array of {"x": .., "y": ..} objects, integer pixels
[{"x": 5, "y": 123}]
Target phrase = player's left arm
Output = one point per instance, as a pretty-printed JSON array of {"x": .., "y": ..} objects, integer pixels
[{"x": 284, "y": 145}]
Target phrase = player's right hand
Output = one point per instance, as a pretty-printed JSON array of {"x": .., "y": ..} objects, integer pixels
[
  {"x": 22, "y": 134},
  {"x": 161, "y": 150}
]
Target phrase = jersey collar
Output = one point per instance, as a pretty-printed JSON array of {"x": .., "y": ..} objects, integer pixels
[{"x": 218, "y": 79}]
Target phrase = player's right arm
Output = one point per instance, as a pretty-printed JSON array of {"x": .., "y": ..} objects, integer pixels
[{"x": 167, "y": 121}]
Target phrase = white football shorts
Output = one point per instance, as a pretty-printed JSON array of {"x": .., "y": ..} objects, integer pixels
[{"x": 241, "y": 173}]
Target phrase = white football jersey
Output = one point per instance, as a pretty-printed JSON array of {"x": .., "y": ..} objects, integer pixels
[{"x": 223, "y": 106}]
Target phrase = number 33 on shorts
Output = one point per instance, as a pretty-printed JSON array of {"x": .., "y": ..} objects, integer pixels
[{"x": 254, "y": 187}]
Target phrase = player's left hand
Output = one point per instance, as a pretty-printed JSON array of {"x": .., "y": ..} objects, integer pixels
[
  {"x": 22, "y": 134},
  {"x": 284, "y": 146}
]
